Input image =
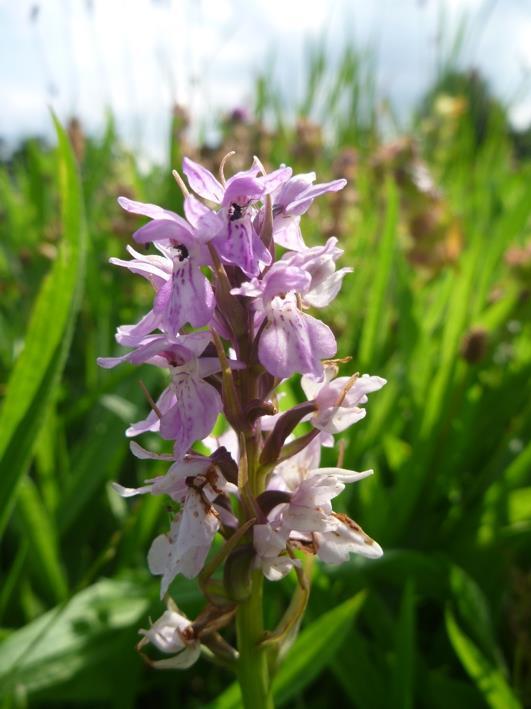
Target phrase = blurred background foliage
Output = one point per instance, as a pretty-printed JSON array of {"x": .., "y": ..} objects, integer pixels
[{"x": 436, "y": 222}]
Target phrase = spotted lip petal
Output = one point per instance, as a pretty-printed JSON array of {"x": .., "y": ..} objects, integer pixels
[
  {"x": 184, "y": 549},
  {"x": 194, "y": 414},
  {"x": 186, "y": 298},
  {"x": 293, "y": 341},
  {"x": 240, "y": 245}
]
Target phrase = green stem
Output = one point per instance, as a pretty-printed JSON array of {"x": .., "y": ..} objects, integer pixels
[{"x": 253, "y": 672}]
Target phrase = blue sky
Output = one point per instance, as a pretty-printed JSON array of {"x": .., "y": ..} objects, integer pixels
[{"x": 138, "y": 56}]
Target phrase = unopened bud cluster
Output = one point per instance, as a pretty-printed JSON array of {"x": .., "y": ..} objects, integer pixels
[{"x": 233, "y": 283}]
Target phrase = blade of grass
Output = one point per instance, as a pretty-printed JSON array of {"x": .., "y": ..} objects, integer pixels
[
  {"x": 36, "y": 527},
  {"x": 371, "y": 335},
  {"x": 488, "y": 678},
  {"x": 404, "y": 668},
  {"x": 34, "y": 378}
]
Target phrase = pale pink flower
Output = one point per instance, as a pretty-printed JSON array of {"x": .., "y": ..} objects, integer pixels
[
  {"x": 339, "y": 400},
  {"x": 172, "y": 634}
]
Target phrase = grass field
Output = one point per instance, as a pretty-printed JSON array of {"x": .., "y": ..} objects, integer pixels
[{"x": 437, "y": 227}]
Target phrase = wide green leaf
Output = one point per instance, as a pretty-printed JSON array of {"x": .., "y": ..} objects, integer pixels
[
  {"x": 64, "y": 641},
  {"x": 315, "y": 648}
]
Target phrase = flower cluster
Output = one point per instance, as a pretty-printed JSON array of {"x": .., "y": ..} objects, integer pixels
[{"x": 233, "y": 282}]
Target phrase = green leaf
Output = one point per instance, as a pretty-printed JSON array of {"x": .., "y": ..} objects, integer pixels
[
  {"x": 488, "y": 678},
  {"x": 315, "y": 647},
  {"x": 35, "y": 376},
  {"x": 64, "y": 641}
]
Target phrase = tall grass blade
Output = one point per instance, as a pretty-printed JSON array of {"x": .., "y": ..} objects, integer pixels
[{"x": 33, "y": 381}]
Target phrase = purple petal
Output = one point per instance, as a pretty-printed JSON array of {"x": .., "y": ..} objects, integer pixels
[
  {"x": 143, "y": 454},
  {"x": 253, "y": 171},
  {"x": 275, "y": 179},
  {"x": 220, "y": 325},
  {"x": 304, "y": 200},
  {"x": 206, "y": 366},
  {"x": 282, "y": 279},
  {"x": 202, "y": 181},
  {"x": 145, "y": 351},
  {"x": 152, "y": 423},
  {"x": 194, "y": 414},
  {"x": 206, "y": 222},
  {"x": 163, "y": 230},
  {"x": 241, "y": 246},
  {"x": 110, "y": 362},
  {"x": 242, "y": 190},
  {"x": 132, "y": 335},
  {"x": 153, "y": 211},
  {"x": 287, "y": 232},
  {"x": 195, "y": 342},
  {"x": 156, "y": 269},
  {"x": 130, "y": 491},
  {"x": 293, "y": 188},
  {"x": 187, "y": 298}
]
